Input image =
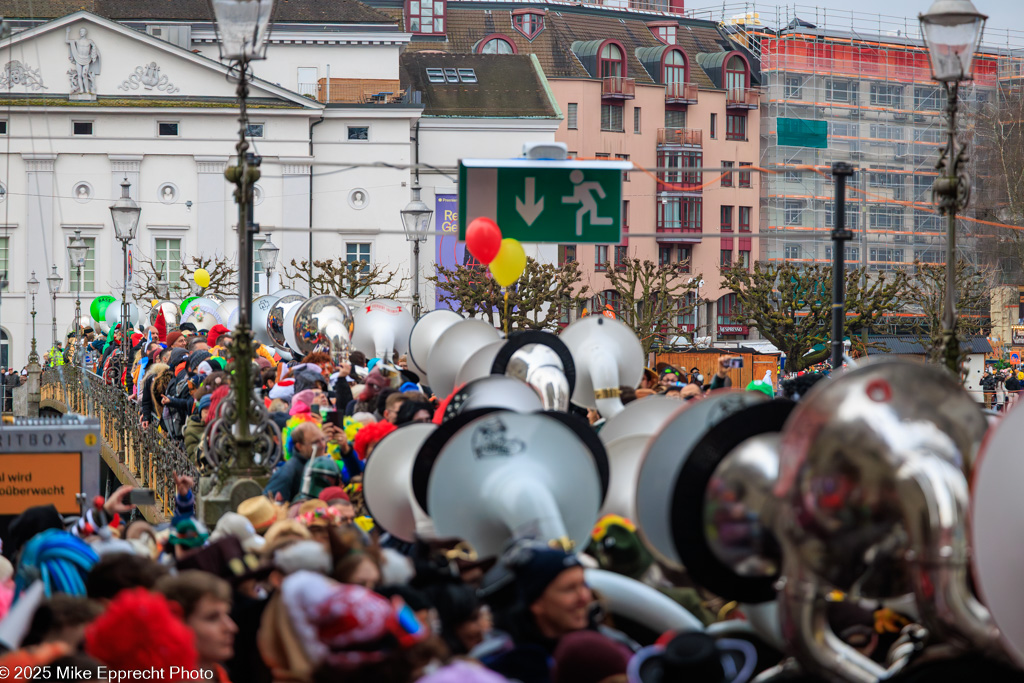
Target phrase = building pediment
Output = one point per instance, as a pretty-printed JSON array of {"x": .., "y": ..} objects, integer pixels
[{"x": 85, "y": 58}]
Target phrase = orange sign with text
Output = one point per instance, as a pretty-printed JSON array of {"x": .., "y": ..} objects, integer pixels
[{"x": 31, "y": 479}]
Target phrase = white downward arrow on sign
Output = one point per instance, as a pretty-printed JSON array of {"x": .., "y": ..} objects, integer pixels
[{"x": 528, "y": 208}]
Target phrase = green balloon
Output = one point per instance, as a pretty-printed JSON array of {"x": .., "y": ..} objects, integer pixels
[
  {"x": 98, "y": 307},
  {"x": 186, "y": 303}
]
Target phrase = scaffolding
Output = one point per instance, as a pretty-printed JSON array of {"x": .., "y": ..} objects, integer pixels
[{"x": 868, "y": 77}]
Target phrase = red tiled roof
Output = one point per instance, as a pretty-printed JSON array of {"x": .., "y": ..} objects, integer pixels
[{"x": 553, "y": 45}]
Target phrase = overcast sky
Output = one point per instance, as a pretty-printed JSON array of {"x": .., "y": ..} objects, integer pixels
[{"x": 1002, "y": 14}]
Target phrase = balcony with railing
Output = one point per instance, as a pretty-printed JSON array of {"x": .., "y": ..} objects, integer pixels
[
  {"x": 689, "y": 137},
  {"x": 354, "y": 91},
  {"x": 681, "y": 93},
  {"x": 742, "y": 98},
  {"x": 618, "y": 88}
]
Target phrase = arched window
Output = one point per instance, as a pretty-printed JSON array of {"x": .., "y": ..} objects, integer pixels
[
  {"x": 496, "y": 45},
  {"x": 674, "y": 67},
  {"x": 612, "y": 61},
  {"x": 729, "y": 310},
  {"x": 608, "y": 300},
  {"x": 736, "y": 74}
]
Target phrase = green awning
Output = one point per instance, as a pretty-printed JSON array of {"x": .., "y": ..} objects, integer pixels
[{"x": 801, "y": 133}]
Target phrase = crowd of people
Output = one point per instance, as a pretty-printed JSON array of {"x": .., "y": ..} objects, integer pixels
[{"x": 300, "y": 585}]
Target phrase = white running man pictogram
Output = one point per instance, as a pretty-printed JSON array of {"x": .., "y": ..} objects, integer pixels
[{"x": 581, "y": 195}]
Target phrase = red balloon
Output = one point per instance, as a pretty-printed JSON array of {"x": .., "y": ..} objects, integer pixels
[{"x": 483, "y": 239}]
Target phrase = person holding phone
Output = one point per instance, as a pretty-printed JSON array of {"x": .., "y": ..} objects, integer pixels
[{"x": 721, "y": 378}]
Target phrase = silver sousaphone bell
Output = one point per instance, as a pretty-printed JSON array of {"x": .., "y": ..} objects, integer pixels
[
  {"x": 323, "y": 323},
  {"x": 873, "y": 496},
  {"x": 276, "y": 318},
  {"x": 171, "y": 311}
]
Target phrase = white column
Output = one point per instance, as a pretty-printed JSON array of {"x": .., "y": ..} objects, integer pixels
[
  {"x": 41, "y": 255},
  {"x": 212, "y": 221},
  {"x": 295, "y": 204},
  {"x": 124, "y": 166}
]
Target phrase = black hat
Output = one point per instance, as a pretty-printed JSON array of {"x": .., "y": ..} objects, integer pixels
[
  {"x": 187, "y": 326},
  {"x": 696, "y": 657}
]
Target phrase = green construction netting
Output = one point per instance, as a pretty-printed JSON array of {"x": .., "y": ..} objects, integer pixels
[{"x": 801, "y": 133}]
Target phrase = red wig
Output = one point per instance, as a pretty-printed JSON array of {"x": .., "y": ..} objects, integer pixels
[
  {"x": 215, "y": 398},
  {"x": 369, "y": 436},
  {"x": 139, "y": 630}
]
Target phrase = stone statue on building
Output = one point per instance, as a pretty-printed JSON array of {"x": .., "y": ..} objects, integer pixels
[{"x": 85, "y": 59}]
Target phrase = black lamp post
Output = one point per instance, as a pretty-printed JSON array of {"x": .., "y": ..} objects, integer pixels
[
  {"x": 78, "y": 250},
  {"x": 53, "y": 282},
  {"x": 268, "y": 259},
  {"x": 416, "y": 220},
  {"x": 242, "y": 28},
  {"x": 33, "y": 289},
  {"x": 125, "y": 214},
  {"x": 952, "y": 31}
]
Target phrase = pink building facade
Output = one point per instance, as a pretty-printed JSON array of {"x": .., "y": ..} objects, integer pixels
[{"x": 661, "y": 91}]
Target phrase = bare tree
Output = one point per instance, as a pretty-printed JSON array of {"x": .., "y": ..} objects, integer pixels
[
  {"x": 651, "y": 296},
  {"x": 347, "y": 279},
  {"x": 223, "y": 274},
  {"x": 972, "y": 304},
  {"x": 223, "y": 277},
  {"x": 791, "y": 306},
  {"x": 540, "y": 299},
  {"x": 998, "y": 194}
]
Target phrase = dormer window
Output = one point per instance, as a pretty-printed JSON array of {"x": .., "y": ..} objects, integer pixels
[
  {"x": 528, "y": 22},
  {"x": 737, "y": 75},
  {"x": 425, "y": 16},
  {"x": 612, "y": 61},
  {"x": 674, "y": 66},
  {"x": 665, "y": 31}
]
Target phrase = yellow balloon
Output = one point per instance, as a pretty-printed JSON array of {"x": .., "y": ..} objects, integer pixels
[
  {"x": 154, "y": 302},
  {"x": 510, "y": 262},
  {"x": 201, "y": 277}
]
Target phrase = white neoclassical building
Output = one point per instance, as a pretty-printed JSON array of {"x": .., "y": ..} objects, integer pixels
[{"x": 87, "y": 100}]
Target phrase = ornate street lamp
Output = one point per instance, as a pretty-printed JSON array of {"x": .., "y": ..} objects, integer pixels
[
  {"x": 163, "y": 289},
  {"x": 125, "y": 214},
  {"x": 416, "y": 221},
  {"x": 952, "y": 31},
  {"x": 53, "y": 282},
  {"x": 33, "y": 289},
  {"x": 242, "y": 28},
  {"x": 268, "y": 259},
  {"x": 78, "y": 250}
]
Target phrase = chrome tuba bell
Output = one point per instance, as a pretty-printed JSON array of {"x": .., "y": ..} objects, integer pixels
[
  {"x": 544, "y": 362},
  {"x": 276, "y": 318},
  {"x": 171, "y": 311},
  {"x": 873, "y": 500},
  {"x": 324, "y": 323}
]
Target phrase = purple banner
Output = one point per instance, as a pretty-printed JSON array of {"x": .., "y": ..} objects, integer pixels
[{"x": 450, "y": 251}]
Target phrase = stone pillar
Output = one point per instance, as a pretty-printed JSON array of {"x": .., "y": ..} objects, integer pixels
[
  {"x": 33, "y": 388},
  {"x": 295, "y": 204},
  {"x": 39, "y": 222},
  {"x": 212, "y": 220}
]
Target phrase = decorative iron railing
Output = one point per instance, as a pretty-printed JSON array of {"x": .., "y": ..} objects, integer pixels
[{"x": 141, "y": 457}]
